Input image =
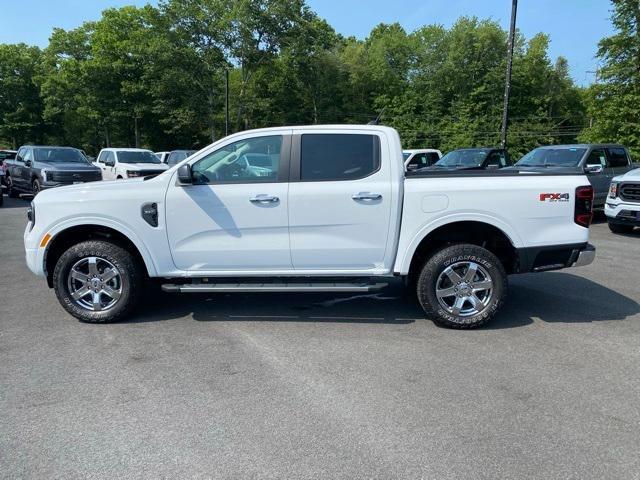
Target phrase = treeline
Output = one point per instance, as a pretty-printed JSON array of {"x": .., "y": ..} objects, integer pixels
[{"x": 154, "y": 77}]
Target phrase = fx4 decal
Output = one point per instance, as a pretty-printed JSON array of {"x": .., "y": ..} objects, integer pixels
[{"x": 554, "y": 197}]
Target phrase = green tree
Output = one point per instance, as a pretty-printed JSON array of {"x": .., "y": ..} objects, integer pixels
[
  {"x": 20, "y": 104},
  {"x": 612, "y": 103}
]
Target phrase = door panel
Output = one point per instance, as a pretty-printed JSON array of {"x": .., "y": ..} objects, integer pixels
[
  {"x": 339, "y": 225},
  {"x": 219, "y": 227},
  {"x": 235, "y": 215},
  {"x": 599, "y": 181}
]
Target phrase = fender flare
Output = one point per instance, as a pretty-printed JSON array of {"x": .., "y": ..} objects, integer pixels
[
  {"x": 405, "y": 263},
  {"x": 147, "y": 258}
]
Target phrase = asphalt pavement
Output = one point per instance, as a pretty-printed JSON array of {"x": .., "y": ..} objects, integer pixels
[{"x": 322, "y": 385}]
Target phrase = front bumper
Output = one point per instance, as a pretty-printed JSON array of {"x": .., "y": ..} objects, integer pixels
[
  {"x": 623, "y": 213},
  {"x": 555, "y": 257}
]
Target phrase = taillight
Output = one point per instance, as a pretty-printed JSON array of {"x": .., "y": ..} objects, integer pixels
[{"x": 584, "y": 206}]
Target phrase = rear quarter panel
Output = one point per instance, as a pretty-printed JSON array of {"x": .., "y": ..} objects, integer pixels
[{"x": 511, "y": 203}]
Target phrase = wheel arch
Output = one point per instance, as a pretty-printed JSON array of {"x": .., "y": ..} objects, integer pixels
[
  {"x": 477, "y": 232},
  {"x": 70, "y": 235}
]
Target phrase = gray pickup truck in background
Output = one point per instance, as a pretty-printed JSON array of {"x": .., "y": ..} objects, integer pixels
[
  {"x": 600, "y": 163},
  {"x": 36, "y": 168}
]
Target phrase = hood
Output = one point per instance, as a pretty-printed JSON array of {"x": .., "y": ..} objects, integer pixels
[
  {"x": 144, "y": 166},
  {"x": 558, "y": 169},
  {"x": 448, "y": 168},
  {"x": 67, "y": 166},
  {"x": 630, "y": 176},
  {"x": 114, "y": 187}
]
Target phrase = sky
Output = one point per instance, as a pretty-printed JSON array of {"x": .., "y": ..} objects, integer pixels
[{"x": 575, "y": 26}]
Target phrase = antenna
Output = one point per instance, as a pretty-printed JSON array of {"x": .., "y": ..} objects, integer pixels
[{"x": 377, "y": 119}]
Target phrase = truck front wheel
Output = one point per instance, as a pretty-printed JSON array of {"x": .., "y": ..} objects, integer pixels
[
  {"x": 98, "y": 281},
  {"x": 617, "y": 228},
  {"x": 462, "y": 286}
]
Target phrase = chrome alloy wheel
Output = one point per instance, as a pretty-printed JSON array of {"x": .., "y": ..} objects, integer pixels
[
  {"x": 94, "y": 284},
  {"x": 464, "y": 289}
]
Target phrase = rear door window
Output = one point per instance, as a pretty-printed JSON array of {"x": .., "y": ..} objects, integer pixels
[
  {"x": 617, "y": 157},
  {"x": 330, "y": 157}
]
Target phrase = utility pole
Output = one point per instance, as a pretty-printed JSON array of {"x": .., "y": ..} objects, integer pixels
[
  {"x": 507, "y": 83},
  {"x": 226, "y": 102},
  {"x": 597, "y": 74}
]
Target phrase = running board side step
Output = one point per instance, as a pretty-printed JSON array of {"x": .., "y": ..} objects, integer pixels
[{"x": 273, "y": 287}]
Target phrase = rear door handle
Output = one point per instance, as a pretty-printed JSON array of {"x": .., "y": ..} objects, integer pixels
[
  {"x": 262, "y": 198},
  {"x": 366, "y": 196}
]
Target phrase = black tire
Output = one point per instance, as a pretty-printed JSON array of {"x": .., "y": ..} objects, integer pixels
[
  {"x": 130, "y": 280},
  {"x": 36, "y": 188},
  {"x": 457, "y": 256},
  {"x": 11, "y": 191},
  {"x": 617, "y": 228}
]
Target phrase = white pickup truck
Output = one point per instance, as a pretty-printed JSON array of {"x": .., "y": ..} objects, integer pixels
[
  {"x": 121, "y": 163},
  {"x": 308, "y": 209}
]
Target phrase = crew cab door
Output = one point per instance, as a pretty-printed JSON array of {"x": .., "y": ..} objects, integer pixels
[
  {"x": 599, "y": 180},
  {"x": 233, "y": 218},
  {"x": 340, "y": 199}
]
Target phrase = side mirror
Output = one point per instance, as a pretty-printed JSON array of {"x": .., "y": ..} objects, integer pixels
[
  {"x": 27, "y": 163},
  {"x": 110, "y": 163},
  {"x": 184, "y": 174},
  {"x": 595, "y": 168},
  {"x": 411, "y": 167},
  {"x": 493, "y": 166}
]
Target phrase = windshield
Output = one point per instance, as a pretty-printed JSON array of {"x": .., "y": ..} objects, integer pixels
[
  {"x": 473, "y": 157},
  {"x": 552, "y": 157},
  {"x": 125, "y": 156},
  {"x": 59, "y": 155},
  {"x": 405, "y": 155}
]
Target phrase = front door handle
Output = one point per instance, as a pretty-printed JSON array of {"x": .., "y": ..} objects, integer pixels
[
  {"x": 262, "y": 198},
  {"x": 366, "y": 196}
]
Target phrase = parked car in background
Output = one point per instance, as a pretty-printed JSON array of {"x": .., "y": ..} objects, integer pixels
[
  {"x": 329, "y": 209},
  {"x": 36, "y": 168},
  {"x": 471, "y": 159},
  {"x": 163, "y": 156},
  {"x": 600, "y": 162},
  {"x": 5, "y": 155},
  {"x": 419, "y": 158},
  {"x": 120, "y": 163},
  {"x": 177, "y": 156},
  {"x": 622, "y": 207}
]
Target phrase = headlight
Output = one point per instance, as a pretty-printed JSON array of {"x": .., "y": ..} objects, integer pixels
[
  {"x": 44, "y": 175},
  {"x": 613, "y": 190},
  {"x": 133, "y": 173}
]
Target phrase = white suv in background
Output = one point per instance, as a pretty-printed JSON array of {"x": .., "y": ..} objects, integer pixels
[
  {"x": 622, "y": 207},
  {"x": 420, "y": 158},
  {"x": 120, "y": 163}
]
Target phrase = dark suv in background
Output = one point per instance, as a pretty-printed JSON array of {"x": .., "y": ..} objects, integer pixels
[
  {"x": 36, "y": 168},
  {"x": 599, "y": 162}
]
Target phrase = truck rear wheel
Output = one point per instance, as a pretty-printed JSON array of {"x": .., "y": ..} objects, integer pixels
[
  {"x": 98, "y": 281},
  {"x": 462, "y": 286}
]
